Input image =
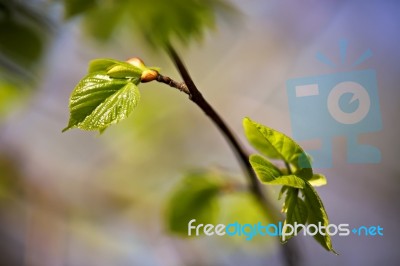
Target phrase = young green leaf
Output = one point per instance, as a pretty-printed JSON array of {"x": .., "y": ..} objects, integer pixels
[
  {"x": 195, "y": 198},
  {"x": 101, "y": 65},
  {"x": 318, "y": 180},
  {"x": 317, "y": 215},
  {"x": 296, "y": 212},
  {"x": 282, "y": 191},
  {"x": 119, "y": 71},
  {"x": 99, "y": 101},
  {"x": 276, "y": 145},
  {"x": 115, "y": 68},
  {"x": 288, "y": 180},
  {"x": 264, "y": 169},
  {"x": 270, "y": 174}
]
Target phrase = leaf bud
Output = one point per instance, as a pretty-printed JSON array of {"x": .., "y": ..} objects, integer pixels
[
  {"x": 148, "y": 75},
  {"x": 137, "y": 62}
]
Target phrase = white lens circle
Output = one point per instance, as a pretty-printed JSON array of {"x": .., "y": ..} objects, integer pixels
[{"x": 359, "y": 93}]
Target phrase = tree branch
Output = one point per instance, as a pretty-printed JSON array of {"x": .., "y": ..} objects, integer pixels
[
  {"x": 198, "y": 99},
  {"x": 172, "y": 83},
  {"x": 289, "y": 250}
]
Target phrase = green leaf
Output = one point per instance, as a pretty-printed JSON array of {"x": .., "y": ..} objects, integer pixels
[
  {"x": 270, "y": 174},
  {"x": 101, "y": 65},
  {"x": 296, "y": 212},
  {"x": 316, "y": 215},
  {"x": 99, "y": 101},
  {"x": 288, "y": 180},
  {"x": 194, "y": 198},
  {"x": 318, "y": 180},
  {"x": 276, "y": 145},
  {"x": 114, "y": 68},
  {"x": 289, "y": 190},
  {"x": 264, "y": 169},
  {"x": 125, "y": 71},
  {"x": 282, "y": 191}
]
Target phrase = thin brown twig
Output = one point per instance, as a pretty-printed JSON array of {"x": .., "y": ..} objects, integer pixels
[
  {"x": 289, "y": 250},
  {"x": 178, "y": 85}
]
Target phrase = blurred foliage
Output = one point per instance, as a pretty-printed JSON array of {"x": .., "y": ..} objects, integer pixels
[
  {"x": 211, "y": 196},
  {"x": 243, "y": 208},
  {"x": 158, "y": 21},
  {"x": 9, "y": 96},
  {"x": 194, "y": 198},
  {"x": 24, "y": 29},
  {"x": 10, "y": 178},
  {"x": 24, "y": 32}
]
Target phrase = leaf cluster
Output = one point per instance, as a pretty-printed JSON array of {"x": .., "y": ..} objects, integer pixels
[{"x": 302, "y": 203}]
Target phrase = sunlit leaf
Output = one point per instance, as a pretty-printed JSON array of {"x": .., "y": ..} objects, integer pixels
[
  {"x": 124, "y": 71},
  {"x": 276, "y": 145},
  {"x": 99, "y": 101},
  {"x": 101, "y": 64},
  {"x": 288, "y": 180},
  {"x": 282, "y": 191},
  {"x": 296, "y": 211},
  {"x": 115, "y": 68},
  {"x": 264, "y": 169},
  {"x": 317, "y": 214},
  {"x": 269, "y": 174},
  {"x": 318, "y": 180}
]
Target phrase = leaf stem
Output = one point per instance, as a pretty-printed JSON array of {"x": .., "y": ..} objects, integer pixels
[{"x": 290, "y": 253}]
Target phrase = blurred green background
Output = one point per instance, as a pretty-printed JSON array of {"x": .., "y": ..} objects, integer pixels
[{"x": 82, "y": 199}]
